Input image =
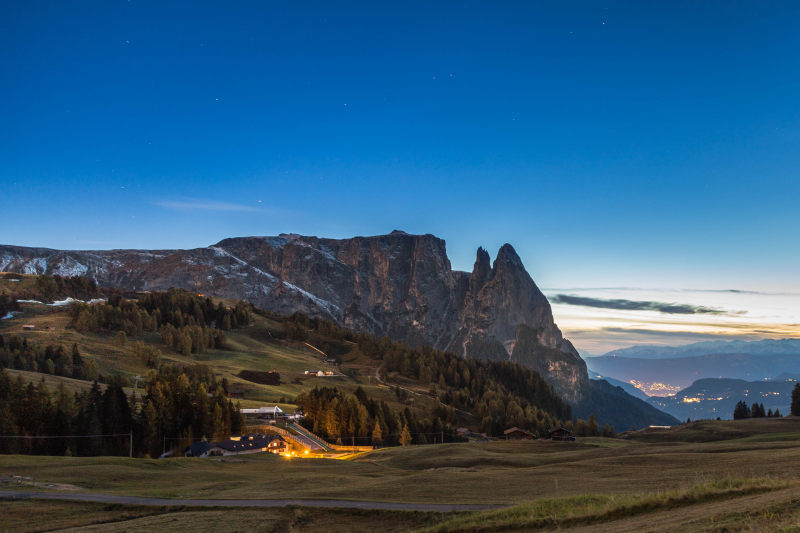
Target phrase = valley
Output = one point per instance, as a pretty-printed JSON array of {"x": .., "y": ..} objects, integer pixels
[{"x": 706, "y": 379}]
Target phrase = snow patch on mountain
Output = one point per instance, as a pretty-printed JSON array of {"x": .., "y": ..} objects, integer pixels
[
  {"x": 220, "y": 251},
  {"x": 324, "y": 304},
  {"x": 70, "y": 267},
  {"x": 321, "y": 251},
  {"x": 35, "y": 266}
]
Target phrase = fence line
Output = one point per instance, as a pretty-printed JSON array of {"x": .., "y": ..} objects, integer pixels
[{"x": 62, "y": 436}]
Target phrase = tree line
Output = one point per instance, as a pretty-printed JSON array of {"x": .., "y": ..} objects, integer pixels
[
  {"x": 355, "y": 418},
  {"x": 18, "y": 353},
  {"x": 589, "y": 428},
  {"x": 48, "y": 289},
  {"x": 187, "y": 322},
  {"x": 742, "y": 410},
  {"x": 180, "y": 403}
]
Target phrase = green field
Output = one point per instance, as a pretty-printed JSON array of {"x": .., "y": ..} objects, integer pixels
[{"x": 743, "y": 482}]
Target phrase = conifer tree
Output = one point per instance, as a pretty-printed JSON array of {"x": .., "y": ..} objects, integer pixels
[
  {"x": 741, "y": 411},
  {"x": 795, "y": 407}
]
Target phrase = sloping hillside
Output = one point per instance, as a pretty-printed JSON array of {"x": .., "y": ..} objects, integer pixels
[{"x": 129, "y": 337}]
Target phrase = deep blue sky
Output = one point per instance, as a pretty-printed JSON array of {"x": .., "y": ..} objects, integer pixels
[{"x": 619, "y": 144}]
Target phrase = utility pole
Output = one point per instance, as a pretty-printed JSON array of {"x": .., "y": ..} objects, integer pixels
[{"x": 130, "y": 453}]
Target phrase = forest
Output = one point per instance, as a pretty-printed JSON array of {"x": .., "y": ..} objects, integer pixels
[
  {"x": 188, "y": 323},
  {"x": 179, "y": 405},
  {"x": 20, "y": 354},
  {"x": 357, "y": 419},
  {"x": 48, "y": 289},
  {"x": 500, "y": 394}
]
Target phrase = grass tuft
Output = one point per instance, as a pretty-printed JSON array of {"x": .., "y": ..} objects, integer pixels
[{"x": 597, "y": 508}]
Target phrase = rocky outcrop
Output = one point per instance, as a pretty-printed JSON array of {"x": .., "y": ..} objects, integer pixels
[{"x": 397, "y": 285}]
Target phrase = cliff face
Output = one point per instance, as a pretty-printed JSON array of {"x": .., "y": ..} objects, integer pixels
[{"x": 397, "y": 285}]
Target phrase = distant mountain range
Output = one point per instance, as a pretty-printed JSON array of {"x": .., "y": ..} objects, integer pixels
[
  {"x": 397, "y": 285},
  {"x": 763, "y": 347},
  {"x": 683, "y": 371},
  {"x": 660, "y": 369},
  {"x": 712, "y": 398}
]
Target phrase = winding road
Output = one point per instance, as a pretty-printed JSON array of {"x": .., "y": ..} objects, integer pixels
[{"x": 162, "y": 502}]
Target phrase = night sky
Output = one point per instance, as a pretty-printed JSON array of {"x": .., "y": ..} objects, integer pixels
[{"x": 628, "y": 150}]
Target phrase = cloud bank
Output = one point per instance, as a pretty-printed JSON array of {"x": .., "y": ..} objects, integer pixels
[{"x": 636, "y": 305}]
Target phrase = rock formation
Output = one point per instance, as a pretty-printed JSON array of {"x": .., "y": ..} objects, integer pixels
[{"x": 398, "y": 285}]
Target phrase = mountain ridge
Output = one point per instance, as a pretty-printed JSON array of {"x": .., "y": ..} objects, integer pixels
[{"x": 786, "y": 346}]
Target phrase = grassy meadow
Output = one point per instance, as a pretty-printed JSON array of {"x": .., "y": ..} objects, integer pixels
[
  {"x": 739, "y": 484},
  {"x": 702, "y": 476}
]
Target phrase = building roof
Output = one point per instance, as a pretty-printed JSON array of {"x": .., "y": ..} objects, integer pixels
[
  {"x": 235, "y": 444},
  {"x": 275, "y": 410},
  {"x": 248, "y": 442},
  {"x": 560, "y": 429},
  {"x": 197, "y": 449},
  {"x": 516, "y": 429}
]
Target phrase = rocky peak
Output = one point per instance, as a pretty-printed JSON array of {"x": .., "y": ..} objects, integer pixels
[
  {"x": 507, "y": 257},
  {"x": 481, "y": 272}
]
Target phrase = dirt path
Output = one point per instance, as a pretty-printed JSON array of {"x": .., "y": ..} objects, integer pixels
[
  {"x": 162, "y": 502},
  {"x": 700, "y": 516}
]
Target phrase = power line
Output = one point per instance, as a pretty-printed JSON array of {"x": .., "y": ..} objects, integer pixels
[{"x": 62, "y": 436}]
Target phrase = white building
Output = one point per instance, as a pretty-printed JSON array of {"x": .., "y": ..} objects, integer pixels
[{"x": 264, "y": 412}]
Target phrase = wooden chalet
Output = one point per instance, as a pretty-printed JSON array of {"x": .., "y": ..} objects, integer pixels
[
  {"x": 561, "y": 433},
  {"x": 516, "y": 433}
]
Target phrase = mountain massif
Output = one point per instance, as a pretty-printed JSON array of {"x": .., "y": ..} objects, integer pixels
[{"x": 397, "y": 285}]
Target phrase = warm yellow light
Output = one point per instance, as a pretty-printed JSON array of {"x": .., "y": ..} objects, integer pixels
[{"x": 306, "y": 452}]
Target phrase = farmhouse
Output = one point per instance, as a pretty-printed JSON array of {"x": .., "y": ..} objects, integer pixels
[
  {"x": 28, "y": 327},
  {"x": 516, "y": 433},
  {"x": 319, "y": 373},
  {"x": 561, "y": 433},
  {"x": 238, "y": 445}
]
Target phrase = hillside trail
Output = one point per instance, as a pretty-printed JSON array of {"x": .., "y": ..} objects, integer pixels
[
  {"x": 190, "y": 502},
  {"x": 701, "y": 516}
]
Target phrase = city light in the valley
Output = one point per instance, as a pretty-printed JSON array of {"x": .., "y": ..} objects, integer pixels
[{"x": 656, "y": 388}]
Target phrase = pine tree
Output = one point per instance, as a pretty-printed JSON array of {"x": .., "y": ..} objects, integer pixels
[
  {"x": 795, "y": 408},
  {"x": 741, "y": 410},
  {"x": 593, "y": 428}
]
